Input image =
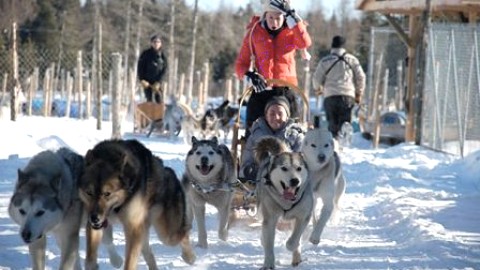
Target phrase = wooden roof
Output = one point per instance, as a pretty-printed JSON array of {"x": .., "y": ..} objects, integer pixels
[{"x": 417, "y": 6}]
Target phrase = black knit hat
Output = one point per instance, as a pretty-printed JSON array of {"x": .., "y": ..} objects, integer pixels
[
  {"x": 278, "y": 100},
  {"x": 338, "y": 42},
  {"x": 155, "y": 37}
]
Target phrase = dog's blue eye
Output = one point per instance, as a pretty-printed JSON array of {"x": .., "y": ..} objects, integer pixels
[
  {"x": 40, "y": 213},
  {"x": 313, "y": 145},
  {"x": 22, "y": 212}
]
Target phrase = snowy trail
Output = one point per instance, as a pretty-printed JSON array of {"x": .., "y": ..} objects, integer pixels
[{"x": 405, "y": 207}]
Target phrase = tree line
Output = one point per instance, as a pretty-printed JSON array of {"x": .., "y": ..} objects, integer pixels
[{"x": 66, "y": 26}]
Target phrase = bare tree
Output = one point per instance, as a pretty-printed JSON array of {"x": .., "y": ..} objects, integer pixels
[{"x": 191, "y": 68}]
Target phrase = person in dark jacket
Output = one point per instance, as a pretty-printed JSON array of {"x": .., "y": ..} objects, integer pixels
[
  {"x": 275, "y": 122},
  {"x": 152, "y": 66}
]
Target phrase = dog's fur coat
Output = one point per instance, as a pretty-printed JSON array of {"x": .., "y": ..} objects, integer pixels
[
  {"x": 209, "y": 174},
  {"x": 326, "y": 175},
  {"x": 283, "y": 191},
  {"x": 123, "y": 181},
  {"x": 45, "y": 200}
]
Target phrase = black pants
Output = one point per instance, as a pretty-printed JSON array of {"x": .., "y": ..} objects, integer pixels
[
  {"x": 149, "y": 95},
  {"x": 338, "y": 110},
  {"x": 256, "y": 103}
]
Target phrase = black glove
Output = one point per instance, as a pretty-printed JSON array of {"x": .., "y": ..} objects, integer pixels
[
  {"x": 256, "y": 80},
  {"x": 283, "y": 6}
]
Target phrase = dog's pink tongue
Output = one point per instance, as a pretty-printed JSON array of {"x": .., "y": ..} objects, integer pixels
[
  {"x": 289, "y": 195},
  {"x": 204, "y": 170}
]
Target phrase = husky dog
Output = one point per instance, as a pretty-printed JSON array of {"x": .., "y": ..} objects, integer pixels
[
  {"x": 283, "y": 191},
  {"x": 223, "y": 115},
  {"x": 124, "y": 182},
  {"x": 45, "y": 200},
  {"x": 174, "y": 115},
  {"x": 326, "y": 175},
  {"x": 209, "y": 175}
]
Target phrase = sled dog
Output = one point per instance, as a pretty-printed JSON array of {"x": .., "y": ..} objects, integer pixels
[
  {"x": 208, "y": 178},
  {"x": 124, "y": 182},
  {"x": 45, "y": 201},
  {"x": 283, "y": 191},
  {"x": 326, "y": 176}
]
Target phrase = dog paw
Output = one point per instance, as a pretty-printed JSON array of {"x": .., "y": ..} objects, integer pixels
[
  {"x": 314, "y": 240},
  {"x": 202, "y": 244},
  {"x": 223, "y": 235},
  {"x": 116, "y": 261},
  {"x": 189, "y": 257},
  {"x": 292, "y": 244},
  {"x": 267, "y": 268},
  {"x": 296, "y": 258},
  {"x": 91, "y": 266}
]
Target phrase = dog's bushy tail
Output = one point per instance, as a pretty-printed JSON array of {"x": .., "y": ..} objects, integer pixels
[
  {"x": 269, "y": 146},
  {"x": 172, "y": 224}
]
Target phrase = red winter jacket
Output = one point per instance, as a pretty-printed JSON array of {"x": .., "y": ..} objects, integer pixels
[{"x": 274, "y": 58}]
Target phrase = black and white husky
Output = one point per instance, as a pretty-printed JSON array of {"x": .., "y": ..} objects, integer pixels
[
  {"x": 208, "y": 178},
  {"x": 45, "y": 200}
]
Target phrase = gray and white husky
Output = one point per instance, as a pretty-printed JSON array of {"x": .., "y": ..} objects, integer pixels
[
  {"x": 45, "y": 200},
  {"x": 283, "y": 191},
  {"x": 326, "y": 176},
  {"x": 208, "y": 178}
]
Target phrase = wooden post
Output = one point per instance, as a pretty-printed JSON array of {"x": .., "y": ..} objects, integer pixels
[
  {"x": 99, "y": 82},
  {"x": 236, "y": 91},
  {"x": 69, "y": 89},
  {"x": 88, "y": 99},
  {"x": 181, "y": 87},
  {"x": 206, "y": 76},
  {"x": 228, "y": 92},
  {"x": 116, "y": 92},
  {"x": 16, "y": 83},
  {"x": 79, "y": 75},
  {"x": 46, "y": 92},
  {"x": 410, "y": 125}
]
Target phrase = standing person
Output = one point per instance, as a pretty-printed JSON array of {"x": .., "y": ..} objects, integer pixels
[
  {"x": 152, "y": 66},
  {"x": 268, "y": 52},
  {"x": 340, "y": 77},
  {"x": 275, "y": 122}
]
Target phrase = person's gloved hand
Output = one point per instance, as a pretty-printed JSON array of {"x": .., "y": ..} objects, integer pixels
[
  {"x": 256, "y": 80},
  {"x": 144, "y": 83},
  {"x": 156, "y": 87},
  {"x": 358, "y": 98},
  {"x": 283, "y": 6}
]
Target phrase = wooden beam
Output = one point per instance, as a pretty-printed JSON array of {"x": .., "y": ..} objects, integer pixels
[
  {"x": 403, "y": 36},
  {"x": 417, "y": 6}
]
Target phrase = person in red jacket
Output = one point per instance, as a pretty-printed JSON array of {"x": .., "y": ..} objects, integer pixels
[{"x": 268, "y": 52}]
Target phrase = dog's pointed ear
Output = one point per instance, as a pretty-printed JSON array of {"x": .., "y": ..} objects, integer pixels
[
  {"x": 89, "y": 157},
  {"x": 194, "y": 140},
  {"x": 215, "y": 140},
  {"x": 22, "y": 177}
]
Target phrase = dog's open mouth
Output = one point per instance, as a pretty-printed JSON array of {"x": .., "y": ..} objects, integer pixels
[
  {"x": 100, "y": 225},
  {"x": 204, "y": 168},
  {"x": 290, "y": 194}
]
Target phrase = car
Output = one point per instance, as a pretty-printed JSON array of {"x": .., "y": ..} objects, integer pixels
[{"x": 392, "y": 127}]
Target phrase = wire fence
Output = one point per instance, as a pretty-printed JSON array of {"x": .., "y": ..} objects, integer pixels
[{"x": 451, "y": 98}]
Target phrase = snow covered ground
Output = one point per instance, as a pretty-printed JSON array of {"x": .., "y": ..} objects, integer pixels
[{"x": 405, "y": 207}]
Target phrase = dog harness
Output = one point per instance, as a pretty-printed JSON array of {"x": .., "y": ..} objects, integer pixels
[{"x": 211, "y": 188}]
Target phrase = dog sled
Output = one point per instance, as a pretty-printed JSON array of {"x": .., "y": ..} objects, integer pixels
[
  {"x": 244, "y": 190},
  {"x": 150, "y": 116}
]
